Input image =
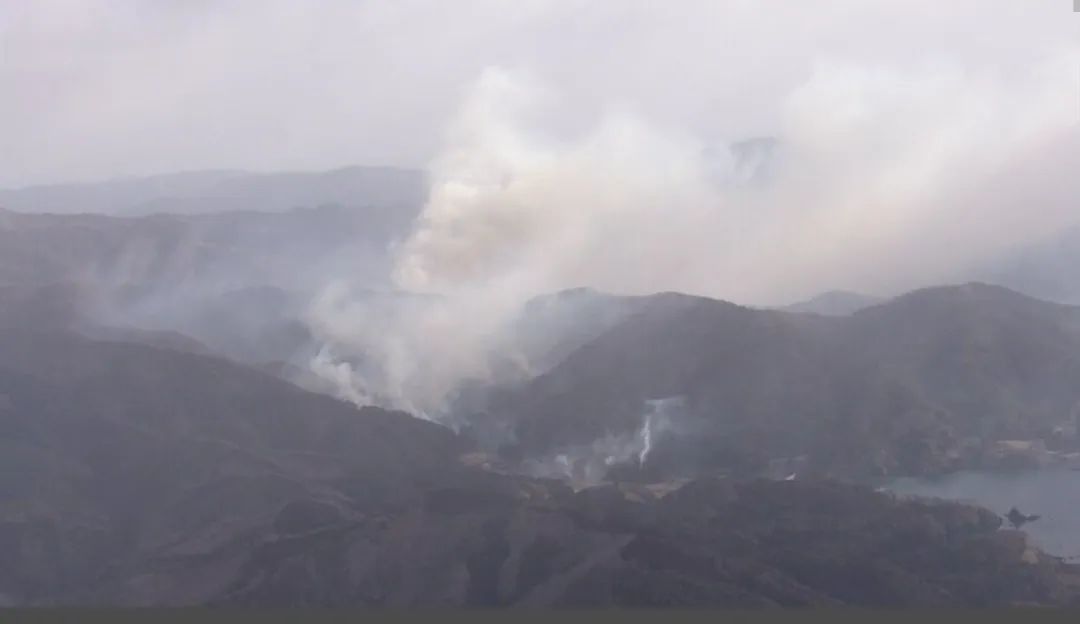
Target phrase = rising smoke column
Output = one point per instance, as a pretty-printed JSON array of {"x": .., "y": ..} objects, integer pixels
[
  {"x": 512, "y": 213},
  {"x": 589, "y": 464},
  {"x": 891, "y": 178}
]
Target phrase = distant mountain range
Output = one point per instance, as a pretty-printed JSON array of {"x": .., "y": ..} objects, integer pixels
[
  {"x": 1046, "y": 269},
  {"x": 834, "y": 303},
  {"x": 236, "y": 280},
  {"x": 200, "y": 192}
]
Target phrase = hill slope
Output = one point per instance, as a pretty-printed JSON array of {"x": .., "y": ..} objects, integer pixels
[
  {"x": 894, "y": 387},
  {"x": 115, "y": 454},
  {"x": 140, "y": 475}
]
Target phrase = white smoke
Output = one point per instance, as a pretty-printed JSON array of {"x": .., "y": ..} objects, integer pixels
[
  {"x": 589, "y": 464},
  {"x": 407, "y": 351},
  {"x": 873, "y": 162},
  {"x": 888, "y": 179}
]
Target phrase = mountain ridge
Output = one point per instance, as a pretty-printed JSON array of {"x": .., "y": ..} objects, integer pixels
[{"x": 780, "y": 376}]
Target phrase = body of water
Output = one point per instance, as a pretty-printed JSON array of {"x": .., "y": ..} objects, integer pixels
[{"x": 1053, "y": 494}]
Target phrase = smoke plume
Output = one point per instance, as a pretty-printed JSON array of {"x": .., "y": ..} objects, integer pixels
[
  {"x": 880, "y": 180},
  {"x": 587, "y": 465}
]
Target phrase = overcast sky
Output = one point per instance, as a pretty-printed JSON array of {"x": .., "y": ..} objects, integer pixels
[{"x": 92, "y": 88}]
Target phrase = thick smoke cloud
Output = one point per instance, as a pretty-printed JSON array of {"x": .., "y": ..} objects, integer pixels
[
  {"x": 873, "y": 165},
  {"x": 881, "y": 179}
]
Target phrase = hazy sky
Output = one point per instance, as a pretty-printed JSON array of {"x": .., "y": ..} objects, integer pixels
[{"x": 92, "y": 88}]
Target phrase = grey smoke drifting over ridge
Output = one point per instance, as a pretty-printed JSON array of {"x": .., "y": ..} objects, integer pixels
[{"x": 883, "y": 179}]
